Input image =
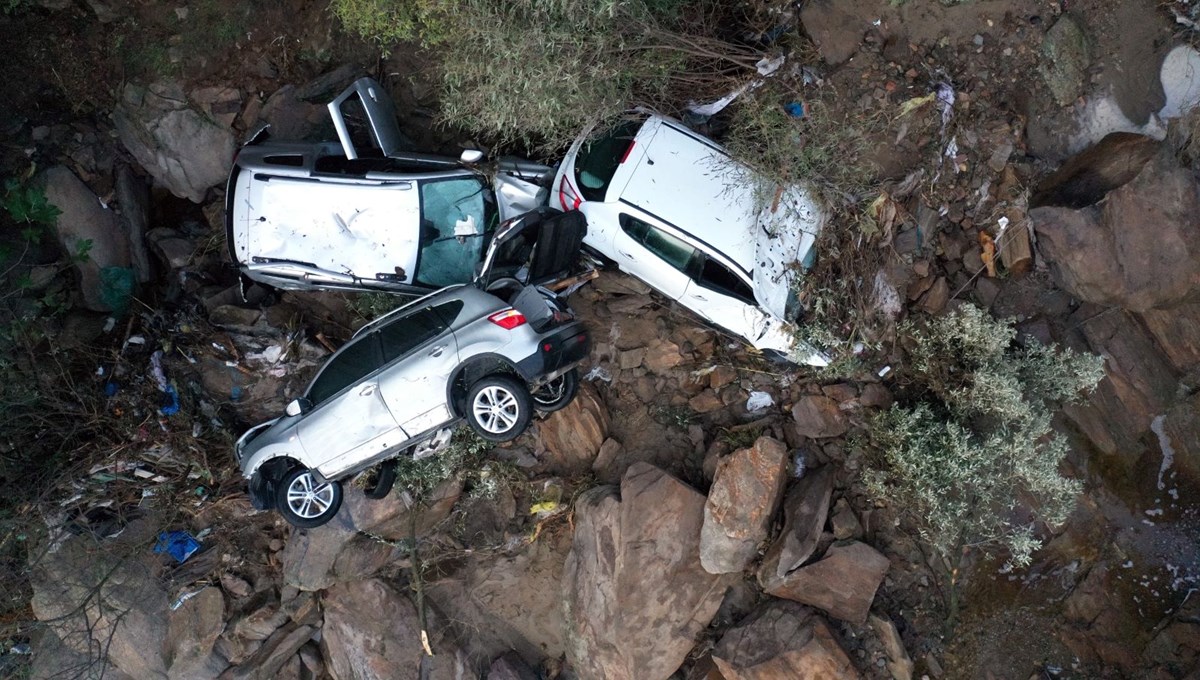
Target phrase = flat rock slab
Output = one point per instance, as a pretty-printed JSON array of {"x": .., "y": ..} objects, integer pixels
[
  {"x": 745, "y": 494},
  {"x": 818, "y": 417},
  {"x": 782, "y": 640},
  {"x": 843, "y": 583},
  {"x": 805, "y": 510},
  {"x": 634, "y": 592}
]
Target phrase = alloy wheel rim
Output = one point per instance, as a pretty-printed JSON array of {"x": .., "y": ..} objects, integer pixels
[
  {"x": 496, "y": 409},
  {"x": 551, "y": 391},
  {"x": 307, "y": 500}
]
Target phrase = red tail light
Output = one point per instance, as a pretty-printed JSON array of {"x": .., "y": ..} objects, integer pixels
[
  {"x": 508, "y": 319},
  {"x": 628, "y": 149},
  {"x": 567, "y": 192}
]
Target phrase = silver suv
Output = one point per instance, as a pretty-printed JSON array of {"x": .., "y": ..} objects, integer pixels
[
  {"x": 366, "y": 212},
  {"x": 489, "y": 353}
]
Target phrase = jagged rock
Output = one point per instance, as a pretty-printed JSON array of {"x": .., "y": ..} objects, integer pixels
[
  {"x": 745, "y": 493},
  {"x": 1180, "y": 439},
  {"x": 174, "y": 250},
  {"x": 310, "y": 658},
  {"x": 899, "y": 664},
  {"x": 314, "y": 559},
  {"x": 634, "y": 591},
  {"x": 52, "y": 659},
  {"x": 222, "y": 104},
  {"x": 606, "y": 460},
  {"x": 1089, "y": 175},
  {"x": 1176, "y": 331},
  {"x": 631, "y": 358},
  {"x": 782, "y": 640},
  {"x": 1067, "y": 56},
  {"x": 1099, "y": 630},
  {"x": 192, "y": 630},
  {"x": 510, "y": 666},
  {"x": 818, "y": 417},
  {"x": 875, "y": 395},
  {"x": 843, "y": 583},
  {"x": 1138, "y": 249},
  {"x": 133, "y": 202},
  {"x": 661, "y": 356},
  {"x": 176, "y": 144},
  {"x": 844, "y": 522},
  {"x": 84, "y": 220},
  {"x": 706, "y": 402},
  {"x": 804, "y": 512},
  {"x": 358, "y": 645},
  {"x": 721, "y": 376},
  {"x": 573, "y": 435},
  {"x": 836, "y": 26},
  {"x": 261, "y": 623},
  {"x": 937, "y": 296},
  {"x": 278, "y": 650},
  {"x": 236, "y": 586}
]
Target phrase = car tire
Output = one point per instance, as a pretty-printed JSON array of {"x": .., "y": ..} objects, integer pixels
[
  {"x": 385, "y": 478},
  {"x": 304, "y": 503},
  {"x": 499, "y": 408},
  {"x": 557, "y": 393}
]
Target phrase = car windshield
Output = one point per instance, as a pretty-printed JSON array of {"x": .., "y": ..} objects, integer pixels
[
  {"x": 599, "y": 158},
  {"x": 445, "y": 260}
]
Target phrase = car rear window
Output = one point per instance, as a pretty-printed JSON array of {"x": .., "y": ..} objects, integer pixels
[
  {"x": 409, "y": 332},
  {"x": 444, "y": 260},
  {"x": 599, "y": 158}
]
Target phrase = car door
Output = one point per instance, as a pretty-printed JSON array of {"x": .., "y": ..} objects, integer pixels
[
  {"x": 720, "y": 295},
  {"x": 651, "y": 254},
  {"x": 422, "y": 353},
  {"x": 348, "y": 421},
  {"x": 366, "y": 98}
]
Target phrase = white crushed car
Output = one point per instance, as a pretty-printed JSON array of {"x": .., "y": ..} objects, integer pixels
[{"x": 671, "y": 208}]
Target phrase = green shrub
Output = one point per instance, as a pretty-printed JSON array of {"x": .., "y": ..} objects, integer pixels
[
  {"x": 973, "y": 460},
  {"x": 384, "y": 22},
  {"x": 465, "y": 453}
]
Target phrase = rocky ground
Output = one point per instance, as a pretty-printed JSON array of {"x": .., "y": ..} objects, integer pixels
[{"x": 657, "y": 527}]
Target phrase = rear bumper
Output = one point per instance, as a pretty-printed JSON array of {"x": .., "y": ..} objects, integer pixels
[{"x": 557, "y": 353}]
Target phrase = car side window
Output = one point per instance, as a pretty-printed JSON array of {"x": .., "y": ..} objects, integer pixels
[
  {"x": 352, "y": 364},
  {"x": 718, "y": 277},
  {"x": 407, "y": 333},
  {"x": 671, "y": 250}
]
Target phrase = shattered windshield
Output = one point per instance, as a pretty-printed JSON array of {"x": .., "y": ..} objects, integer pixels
[{"x": 448, "y": 257}]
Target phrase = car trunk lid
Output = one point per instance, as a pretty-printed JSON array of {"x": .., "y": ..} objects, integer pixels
[{"x": 783, "y": 249}]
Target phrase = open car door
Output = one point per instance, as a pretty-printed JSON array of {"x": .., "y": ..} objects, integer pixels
[
  {"x": 536, "y": 248},
  {"x": 365, "y": 118}
]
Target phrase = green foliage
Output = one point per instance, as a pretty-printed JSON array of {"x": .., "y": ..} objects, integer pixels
[
  {"x": 976, "y": 451},
  {"x": 370, "y": 306},
  {"x": 27, "y": 205},
  {"x": 464, "y": 454},
  {"x": 384, "y": 22}
]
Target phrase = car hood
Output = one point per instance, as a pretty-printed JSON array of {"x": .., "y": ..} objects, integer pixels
[
  {"x": 537, "y": 247},
  {"x": 784, "y": 236}
]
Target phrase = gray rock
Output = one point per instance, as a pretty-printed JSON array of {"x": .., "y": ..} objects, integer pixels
[
  {"x": 898, "y": 664},
  {"x": 634, "y": 592},
  {"x": 1139, "y": 249},
  {"x": 314, "y": 559},
  {"x": 192, "y": 631},
  {"x": 133, "y": 202},
  {"x": 818, "y": 417},
  {"x": 373, "y": 632},
  {"x": 174, "y": 250},
  {"x": 511, "y": 667},
  {"x": 844, "y": 522},
  {"x": 277, "y": 651},
  {"x": 1089, "y": 175},
  {"x": 746, "y": 491},
  {"x": 179, "y": 146},
  {"x": 261, "y": 623},
  {"x": 1066, "y": 56},
  {"x": 782, "y": 640},
  {"x": 573, "y": 435},
  {"x": 843, "y": 583},
  {"x": 805, "y": 510},
  {"x": 84, "y": 220}
]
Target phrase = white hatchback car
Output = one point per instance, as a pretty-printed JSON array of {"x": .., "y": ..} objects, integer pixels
[{"x": 671, "y": 208}]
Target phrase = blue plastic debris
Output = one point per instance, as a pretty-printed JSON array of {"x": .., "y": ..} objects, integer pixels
[
  {"x": 795, "y": 109},
  {"x": 170, "y": 402},
  {"x": 178, "y": 544}
]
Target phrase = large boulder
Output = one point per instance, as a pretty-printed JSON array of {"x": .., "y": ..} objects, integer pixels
[
  {"x": 635, "y": 594},
  {"x": 1138, "y": 249},
  {"x": 192, "y": 631},
  {"x": 371, "y": 632},
  {"x": 573, "y": 435},
  {"x": 843, "y": 583},
  {"x": 1087, "y": 176},
  {"x": 85, "y": 225},
  {"x": 183, "y": 149},
  {"x": 804, "y": 512},
  {"x": 314, "y": 559},
  {"x": 782, "y": 640},
  {"x": 743, "y": 499}
]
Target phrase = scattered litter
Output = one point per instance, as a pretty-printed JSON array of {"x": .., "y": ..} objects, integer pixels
[
  {"x": 21, "y": 648},
  {"x": 1164, "y": 443},
  {"x": 1003, "y": 224},
  {"x": 795, "y": 109},
  {"x": 269, "y": 355},
  {"x": 945, "y": 98},
  {"x": 858, "y": 348},
  {"x": 184, "y": 597},
  {"x": 798, "y": 464},
  {"x": 543, "y": 509},
  {"x": 1154, "y": 512},
  {"x": 759, "y": 401},
  {"x": 109, "y": 324},
  {"x": 765, "y": 67},
  {"x": 1127, "y": 565},
  {"x": 884, "y": 371},
  {"x": 204, "y": 532},
  {"x": 136, "y": 340},
  {"x": 178, "y": 544},
  {"x": 598, "y": 373},
  {"x": 916, "y": 103}
]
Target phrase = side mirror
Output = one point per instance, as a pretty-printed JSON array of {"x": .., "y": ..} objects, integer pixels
[
  {"x": 298, "y": 407},
  {"x": 471, "y": 156}
]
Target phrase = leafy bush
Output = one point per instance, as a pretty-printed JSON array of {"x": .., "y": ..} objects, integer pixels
[
  {"x": 464, "y": 453},
  {"x": 384, "y": 22},
  {"x": 976, "y": 452}
]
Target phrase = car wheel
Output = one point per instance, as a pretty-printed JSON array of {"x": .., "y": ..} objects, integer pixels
[
  {"x": 557, "y": 393},
  {"x": 499, "y": 408},
  {"x": 385, "y": 478},
  {"x": 305, "y": 503}
]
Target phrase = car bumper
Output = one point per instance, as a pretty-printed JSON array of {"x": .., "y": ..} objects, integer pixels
[{"x": 557, "y": 353}]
